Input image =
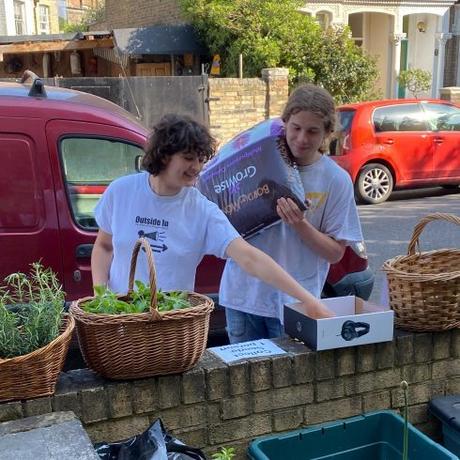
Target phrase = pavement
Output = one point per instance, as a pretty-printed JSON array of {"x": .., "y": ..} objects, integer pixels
[{"x": 54, "y": 436}]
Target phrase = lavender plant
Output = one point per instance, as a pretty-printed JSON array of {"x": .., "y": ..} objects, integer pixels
[{"x": 31, "y": 307}]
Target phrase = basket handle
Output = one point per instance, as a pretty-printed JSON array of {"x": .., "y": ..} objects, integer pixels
[
  {"x": 142, "y": 242},
  {"x": 414, "y": 242}
]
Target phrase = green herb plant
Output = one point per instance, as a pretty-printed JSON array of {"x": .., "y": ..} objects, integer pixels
[
  {"x": 107, "y": 302},
  {"x": 225, "y": 453},
  {"x": 31, "y": 307}
]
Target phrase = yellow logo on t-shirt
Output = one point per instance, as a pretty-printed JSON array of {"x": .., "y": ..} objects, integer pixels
[{"x": 316, "y": 199}]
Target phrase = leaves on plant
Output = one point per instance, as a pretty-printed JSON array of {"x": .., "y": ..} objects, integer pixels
[{"x": 107, "y": 302}]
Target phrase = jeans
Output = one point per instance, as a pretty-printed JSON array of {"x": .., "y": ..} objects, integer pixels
[{"x": 242, "y": 327}]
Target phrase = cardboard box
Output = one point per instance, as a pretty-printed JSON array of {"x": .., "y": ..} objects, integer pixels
[{"x": 357, "y": 322}]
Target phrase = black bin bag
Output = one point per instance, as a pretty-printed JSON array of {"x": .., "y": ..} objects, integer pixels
[
  {"x": 249, "y": 174},
  {"x": 153, "y": 444}
]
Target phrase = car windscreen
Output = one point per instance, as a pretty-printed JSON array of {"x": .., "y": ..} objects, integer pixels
[
  {"x": 345, "y": 119},
  {"x": 343, "y": 128}
]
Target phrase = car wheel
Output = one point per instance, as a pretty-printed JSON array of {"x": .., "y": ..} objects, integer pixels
[{"x": 374, "y": 184}]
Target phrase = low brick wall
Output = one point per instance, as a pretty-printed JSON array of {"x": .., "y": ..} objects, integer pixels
[{"x": 216, "y": 404}]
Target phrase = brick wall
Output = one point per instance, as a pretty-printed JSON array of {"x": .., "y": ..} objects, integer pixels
[
  {"x": 215, "y": 404},
  {"x": 237, "y": 104},
  {"x": 137, "y": 13}
]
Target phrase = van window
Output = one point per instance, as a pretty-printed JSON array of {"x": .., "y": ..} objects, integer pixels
[
  {"x": 21, "y": 204},
  {"x": 401, "y": 117},
  {"x": 89, "y": 165}
]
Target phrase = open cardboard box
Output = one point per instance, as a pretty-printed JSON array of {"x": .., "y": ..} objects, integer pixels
[{"x": 357, "y": 322}]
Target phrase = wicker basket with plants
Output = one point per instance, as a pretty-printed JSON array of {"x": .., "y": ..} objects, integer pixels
[
  {"x": 34, "y": 334},
  {"x": 144, "y": 333}
]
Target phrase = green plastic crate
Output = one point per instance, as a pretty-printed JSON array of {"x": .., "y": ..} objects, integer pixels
[{"x": 372, "y": 436}]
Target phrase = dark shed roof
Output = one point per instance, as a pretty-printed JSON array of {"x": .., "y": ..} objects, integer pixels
[{"x": 159, "y": 39}]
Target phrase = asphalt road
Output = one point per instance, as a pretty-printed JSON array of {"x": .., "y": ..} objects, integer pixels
[{"x": 388, "y": 227}]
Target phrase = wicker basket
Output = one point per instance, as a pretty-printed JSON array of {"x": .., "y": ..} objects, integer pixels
[
  {"x": 131, "y": 346},
  {"x": 35, "y": 374},
  {"x": 424, "y": 287}
]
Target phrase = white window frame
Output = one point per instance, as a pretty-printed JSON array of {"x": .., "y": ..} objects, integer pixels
[
  {"x": 19, "y": 17},
  {"x": 44, "y": 19}
]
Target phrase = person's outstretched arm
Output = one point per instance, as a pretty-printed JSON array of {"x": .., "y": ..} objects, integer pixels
[
  {"x": 101, "y": 258},
  {"x": 262, "y": 266}
]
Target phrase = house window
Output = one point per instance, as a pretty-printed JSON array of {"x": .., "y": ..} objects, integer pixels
[
  {"x": 19, "y": 18},
  {"x": 44, "y": 19},
  {"x": 323, "y": 18},
  {"x": 356, "y": 24}
]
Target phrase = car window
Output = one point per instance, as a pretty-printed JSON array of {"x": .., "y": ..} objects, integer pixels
[
  {"x": 345, "y": 120},
  {"x": 442, "y": 117},
  {"x": 89, "y": 165},
  {"x": 401, "y": 117}
]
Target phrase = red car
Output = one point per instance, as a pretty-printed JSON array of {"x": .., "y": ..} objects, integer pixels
[
  {"x": 59, "y": 149},
  {"x": 400, "y": 143}
]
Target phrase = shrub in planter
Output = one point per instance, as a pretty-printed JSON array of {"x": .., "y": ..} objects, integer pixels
[{"x": 34, "y": 333}]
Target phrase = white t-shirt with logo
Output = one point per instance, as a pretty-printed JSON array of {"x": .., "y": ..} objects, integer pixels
[
  {"x": 332, "y": 211},
  {"x": 181, "y": 229}
]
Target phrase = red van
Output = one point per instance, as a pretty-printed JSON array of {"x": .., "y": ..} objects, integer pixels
[{"x": 59, "y": 149}]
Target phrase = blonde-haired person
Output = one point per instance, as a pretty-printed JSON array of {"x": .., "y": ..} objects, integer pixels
[
  {"x": 305, "y": 243},
  {"x": 162, "y": 205}
]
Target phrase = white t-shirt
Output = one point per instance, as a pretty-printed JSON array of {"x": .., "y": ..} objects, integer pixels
[
  {"x": 181, "y": 229},
  {"x": 332, "y": 211}
]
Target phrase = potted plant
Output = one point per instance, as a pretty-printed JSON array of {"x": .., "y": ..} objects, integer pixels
[{"x": 34, "y": 333}]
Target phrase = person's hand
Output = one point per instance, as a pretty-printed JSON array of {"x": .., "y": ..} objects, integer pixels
[
  {"x": 289, "y": 212},
  {"x": 317, "y": 310}
]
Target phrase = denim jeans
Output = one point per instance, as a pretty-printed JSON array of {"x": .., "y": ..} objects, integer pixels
[{"x": 242, "y": 327}]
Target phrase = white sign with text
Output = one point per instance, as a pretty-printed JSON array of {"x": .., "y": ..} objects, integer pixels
[{"x": 246, "y": 350}]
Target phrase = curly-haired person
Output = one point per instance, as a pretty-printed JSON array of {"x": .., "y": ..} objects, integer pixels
[{"x": 180, "y": 224}]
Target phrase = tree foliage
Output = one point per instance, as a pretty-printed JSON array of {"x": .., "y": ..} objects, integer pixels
[
  {"x": 415, "y": 80},
  {"x": 273, "y": 33},
  {"x": 90, "y": 16}
]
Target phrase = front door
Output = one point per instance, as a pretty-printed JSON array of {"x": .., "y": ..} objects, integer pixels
[{"x": 86, "y": 157}]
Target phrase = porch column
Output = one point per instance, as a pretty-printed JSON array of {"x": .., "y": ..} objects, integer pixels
[
  {"x": 396, "y": 52},
  {"x": 440, "y": 53}
]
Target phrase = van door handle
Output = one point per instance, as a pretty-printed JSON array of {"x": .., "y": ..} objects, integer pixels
[
  {"x": 83, "y": 251},
  {"x": 438, "y": 140},
  {"x": 389, "y": 141}
]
